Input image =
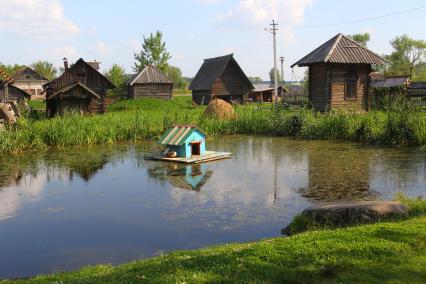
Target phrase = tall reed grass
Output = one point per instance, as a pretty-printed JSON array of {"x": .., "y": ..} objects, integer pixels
[{"x": 396, "y": 123}]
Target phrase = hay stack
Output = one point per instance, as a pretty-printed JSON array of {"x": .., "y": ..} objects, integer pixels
[
  {"x": 7, "y": 113},
  {"x": 220, "y": 109}
]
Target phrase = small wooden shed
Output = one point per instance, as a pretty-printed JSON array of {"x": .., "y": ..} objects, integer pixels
[
  {"x": 264, "y": 92},
  {"x": 222, "y": 78},
  {"x": 150, "y": 83},
  {"x": 185, "y": 140},
  {"x": 339, "y": 74},
  {"x": 80, "y": 88},
  {"x": 9, "y": 92}
]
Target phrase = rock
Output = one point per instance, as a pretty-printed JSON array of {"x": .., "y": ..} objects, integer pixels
[
  {"x": 343, "y": 214},
  {"x": 220, "y": 109}
]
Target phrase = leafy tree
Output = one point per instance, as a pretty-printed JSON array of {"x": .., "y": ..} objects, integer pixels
[
  {"x": 45, "y": 69},
  {"x": 11, "y": 69},
  {"x": 153, "y": 52},
  {"x": 255, "y": 80},
  {"x": 116, "y": 74},
  {"x": 175, "y": 74},
  {"x": 362, "y": 39},
  {"x": 272, "y": 75},
  {"x": 408, "y": 57}
]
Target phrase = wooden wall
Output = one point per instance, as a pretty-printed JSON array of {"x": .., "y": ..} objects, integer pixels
[
  {"x": 77, "y": 100},
  {"x": 14, "y": 94},
  {"x": 159, "y": 91},
  {"x": 327, "y": 86},
  {"x": 201, "y": 97}
]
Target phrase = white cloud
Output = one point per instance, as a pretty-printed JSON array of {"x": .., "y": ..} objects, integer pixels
[
  {"x": 35, "y": 19},
  {"x": 223, "y": 16},
  {"x": 64, "y": 51},
  {"x": 102, "y": 48}
]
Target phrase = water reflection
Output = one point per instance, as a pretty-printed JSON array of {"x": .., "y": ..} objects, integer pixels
[
  {"x": 189, "y": 177},
  {"x": 129, "y": 208}
]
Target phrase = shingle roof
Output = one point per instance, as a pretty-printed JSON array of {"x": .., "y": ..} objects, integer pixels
[
  {"x": 149, "y": 75},
  {"x": 341, "y": 49},
  {"x": 211, "y": 69},
  {"x": 177, "y": 134},
  {"x": 72, "y": 86},
  {"x": 391, "y": 82},
  {"x": 28, "y": 74}
]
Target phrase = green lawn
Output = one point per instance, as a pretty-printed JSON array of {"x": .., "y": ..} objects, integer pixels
[{"x": 393, "y": 252}]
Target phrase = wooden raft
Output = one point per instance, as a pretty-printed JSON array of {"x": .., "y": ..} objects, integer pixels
[{"x": 207, "y": 157}]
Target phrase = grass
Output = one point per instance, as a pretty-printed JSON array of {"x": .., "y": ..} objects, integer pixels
[
  {"x": 391, "y": 252},
  {"x": 131, "y": 120}
]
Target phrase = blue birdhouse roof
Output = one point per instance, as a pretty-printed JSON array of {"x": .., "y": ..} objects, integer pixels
[{"x": 178, "y": 134}]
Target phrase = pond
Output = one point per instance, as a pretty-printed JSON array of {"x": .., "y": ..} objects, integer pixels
[{"x": 62, "y": 209}]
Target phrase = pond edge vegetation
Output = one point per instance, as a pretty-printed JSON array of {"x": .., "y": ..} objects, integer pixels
[{"x": 398, "y": 123}]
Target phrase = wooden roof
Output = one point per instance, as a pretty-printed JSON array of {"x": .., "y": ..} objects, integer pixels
[
  {"x": 390, "y": 82},
  {"x": 211, "y": 69},
  {"x": 178, "y": 134},
  {"x": 341, "y": 49},
  {"x": 75, "y": 85},
  {"x": 149, "y": 75},
  {"x": 28, "y": 74}
]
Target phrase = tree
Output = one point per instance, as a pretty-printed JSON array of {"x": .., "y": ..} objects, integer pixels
[
  {"x": 255, "y": 80},
  {"x": 272, "y": 75},
  {"x": 45, "y": 69},
  {"x": 362, "y": 39},
  {"x": 408, "y": 57},
  {"x": 153, "y": 53},
  {"x": 175, "y": 74},
  {"x": 116, "y": 74},
  {"x": 11, "y": 69}
]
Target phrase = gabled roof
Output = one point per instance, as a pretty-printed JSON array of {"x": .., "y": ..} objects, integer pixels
[
  {"x": 149, "y": 75},
  {"x": 211, "y": 69},
  {"x": 28, "y": 74},
  {"x": 341, "y": 49},
  {"x": 263, "y": 87},
  {"x": 390, "y": 82},
  {"x": 72, "y": 86},
  {"x": 178, "y": 134}
]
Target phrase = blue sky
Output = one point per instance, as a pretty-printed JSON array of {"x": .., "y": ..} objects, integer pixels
[{"x": 111, "y": 31}]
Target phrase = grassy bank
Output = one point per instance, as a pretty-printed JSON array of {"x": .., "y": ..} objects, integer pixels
[
  {"x": 134, "y": 120},
  {"x": 392, "y": 252}
]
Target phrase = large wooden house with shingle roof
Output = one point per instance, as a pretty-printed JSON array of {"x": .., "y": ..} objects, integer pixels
[
  {"x": 80, "y": 88},
  {"x": 222, "y": 78},
  {"x": 150, "y": 83},
  {"x": 339, "y": 74}
]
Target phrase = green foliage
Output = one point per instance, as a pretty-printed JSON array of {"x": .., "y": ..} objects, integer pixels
[
  {"x": 255, "y": 80},
  {"x": 153, "y": 52},
  {"x": 272, "y": 75},
  {"x": 175, "y": 74},
  {"x": 117, "y": 75},
  {"x": 45, "y": 69},
  {"x": 361, "y": 38},
  {"x": 408, "y": 58},
  {"x": 392, "y": 252},
  {"x": 11, "y": 69}
]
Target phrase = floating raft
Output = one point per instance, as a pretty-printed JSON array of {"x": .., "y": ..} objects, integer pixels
[{"x": 207, "y": 157}]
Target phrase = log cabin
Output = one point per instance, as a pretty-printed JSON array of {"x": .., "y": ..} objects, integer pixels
[
  {"x": 150, "y": 83},
  {"x": 80, "y": 88},
  {"x": 339, "y": 74},
  {"x": 9, "y": 92},
  {"x": 222, "y": 78}
]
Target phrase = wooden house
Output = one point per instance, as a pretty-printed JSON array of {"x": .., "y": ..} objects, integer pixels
[
  {"x": 339, "y": 74},
  {"x": 30, "y": 81},
  {"x": 184, "y": 141},
  {"x": 222, "y": 78},
  {"x": 416, "y": 93},
  {"x": 9, "y": 92},
  {"x": 264, "y": 92},
  {"x": 80, "y": 88},
  {"x": 150, "y": 83}
]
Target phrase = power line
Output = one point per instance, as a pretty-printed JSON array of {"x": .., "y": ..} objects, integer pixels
[{"x": 361, "y": 20}]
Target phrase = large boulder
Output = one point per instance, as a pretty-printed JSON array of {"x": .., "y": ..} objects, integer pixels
[
  {"x": 343, "y": 214},
  {"x": 220, "y": 109}
]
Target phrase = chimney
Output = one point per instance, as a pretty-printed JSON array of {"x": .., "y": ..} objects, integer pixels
[{"x": 65, "y": 63}]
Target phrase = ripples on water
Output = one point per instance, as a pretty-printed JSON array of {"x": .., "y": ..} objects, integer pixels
[{"x": 63, "y": 209}]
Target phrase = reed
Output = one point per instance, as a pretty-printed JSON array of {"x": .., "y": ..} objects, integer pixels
[{"x": 396, "y": 124}]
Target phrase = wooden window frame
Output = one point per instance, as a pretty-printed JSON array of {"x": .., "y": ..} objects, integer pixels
[{"x": 351, "y": 82}]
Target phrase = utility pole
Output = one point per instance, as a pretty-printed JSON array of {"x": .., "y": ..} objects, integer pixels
[
  {"x": 282, "y": 69},
  {"x": 274, "y": 30}
]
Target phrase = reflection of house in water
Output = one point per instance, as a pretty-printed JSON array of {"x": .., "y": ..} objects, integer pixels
[
  {"x": 87, "y": 169},
  {"x": 338, "y": 174},
  {"x": 10, "y": 176},
  {"x": 190, "y": 177}
]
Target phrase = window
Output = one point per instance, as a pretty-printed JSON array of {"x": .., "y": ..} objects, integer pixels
[{"x": 351, "y": 79}]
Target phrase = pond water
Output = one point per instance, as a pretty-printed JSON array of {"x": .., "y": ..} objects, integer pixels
[{"x": 63, "y": 209}]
